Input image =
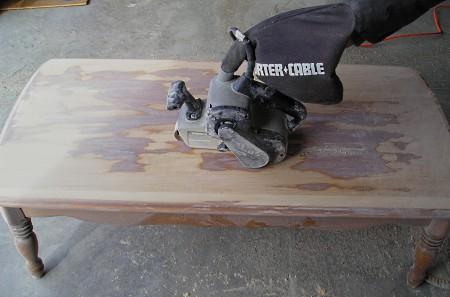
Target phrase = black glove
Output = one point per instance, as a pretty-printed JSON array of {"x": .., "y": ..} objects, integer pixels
[
  {"x": 297, "y": 52},
  {"x": 377, "y": 19}
]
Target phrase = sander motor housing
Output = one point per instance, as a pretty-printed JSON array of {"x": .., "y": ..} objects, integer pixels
[{"x": 240, "y": 115}]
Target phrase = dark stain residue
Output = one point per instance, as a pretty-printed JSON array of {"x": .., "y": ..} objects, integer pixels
[
  {"x": 406, "y": 158},
  {"x": 217, "y": 161},
  {"x": 345, "y": 153},
  {"x": 308, "y": 222},
  {"x": 256, "y": 224},
  {"x": 323, "y": 144},
  {"x": 401, "y": 145},
  {"x": 124, "y": 91},
  {"x": 125, "y": 150},
  {"x": 342, "y": 153},
  {"x": 173, "y": 146},
  {"x": 326, "y": 186}
]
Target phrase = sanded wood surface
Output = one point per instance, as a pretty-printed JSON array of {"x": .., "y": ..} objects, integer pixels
[
  {"x": 25, "y": 4},
  {"x": 94, "y": 134}
]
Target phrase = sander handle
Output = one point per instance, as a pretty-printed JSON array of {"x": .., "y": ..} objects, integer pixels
[{"x": 240, "y": 37}]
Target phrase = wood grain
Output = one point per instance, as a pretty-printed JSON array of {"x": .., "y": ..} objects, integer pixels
[
  {"x": 25, "y": 4},
  {"x": 94, "y": 134},
  {"x": 209, "y": 220}
]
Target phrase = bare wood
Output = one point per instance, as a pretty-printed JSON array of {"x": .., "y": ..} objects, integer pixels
[
  {"x": 433, "y": 236},
  {"x": 25, "y": 239},
  {"x": 94, "y": 134}
]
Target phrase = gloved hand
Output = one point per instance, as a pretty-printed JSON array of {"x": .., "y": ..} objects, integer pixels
[{"x": 297, "y": 52}]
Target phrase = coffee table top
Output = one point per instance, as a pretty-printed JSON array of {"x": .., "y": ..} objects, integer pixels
[{"x": 94, "y": 134}]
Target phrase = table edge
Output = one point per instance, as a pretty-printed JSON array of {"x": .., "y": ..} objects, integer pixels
[{"x": 223, "y": 208}]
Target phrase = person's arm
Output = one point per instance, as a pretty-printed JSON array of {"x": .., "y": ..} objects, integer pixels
[
  {"x": 377, "y": 19},
  {"x": 297, "y": 52}
]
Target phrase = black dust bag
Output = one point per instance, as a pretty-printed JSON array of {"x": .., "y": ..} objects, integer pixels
[{"x": 297, "y": 52}]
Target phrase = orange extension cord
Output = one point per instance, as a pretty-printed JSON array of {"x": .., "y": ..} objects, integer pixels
[{"x": 408, "y": 35}]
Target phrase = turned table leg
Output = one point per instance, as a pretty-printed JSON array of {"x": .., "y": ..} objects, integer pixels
[
  {"x": 24, "y": 238},
  {"x": 433, "y": 236}
]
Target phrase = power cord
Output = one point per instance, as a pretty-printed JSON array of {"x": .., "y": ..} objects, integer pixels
[{"x": 409, "y": 35}]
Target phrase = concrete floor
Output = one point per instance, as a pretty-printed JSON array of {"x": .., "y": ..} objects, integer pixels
[{"x": 96, "y": 260}]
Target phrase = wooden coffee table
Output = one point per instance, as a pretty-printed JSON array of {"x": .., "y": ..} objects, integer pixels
[{"x": 91, "y": 139}]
